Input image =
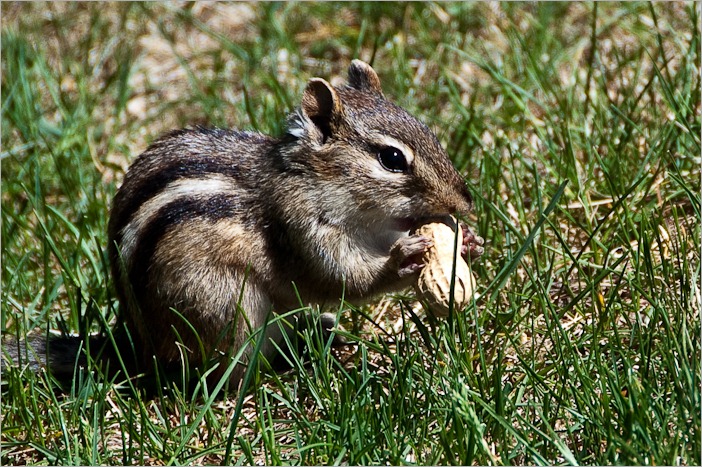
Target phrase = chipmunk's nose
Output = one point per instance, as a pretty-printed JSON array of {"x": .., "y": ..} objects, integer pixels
[{"x": 463, "y": 201}]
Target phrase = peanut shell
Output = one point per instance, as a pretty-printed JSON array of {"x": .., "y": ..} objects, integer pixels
[{"x": 434, "y": 284}]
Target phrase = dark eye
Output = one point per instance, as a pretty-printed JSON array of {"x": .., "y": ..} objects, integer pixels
[{"x": 392, "y": 159}]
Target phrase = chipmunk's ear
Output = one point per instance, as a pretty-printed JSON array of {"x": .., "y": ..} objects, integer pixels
[
  {"x": 320, "y": 100},
  {"x": 322, "y": 105},
  {"x": 364, "y": 78}
]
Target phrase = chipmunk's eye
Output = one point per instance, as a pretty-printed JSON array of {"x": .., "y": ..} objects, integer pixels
[{"x": 392, "y": 159}]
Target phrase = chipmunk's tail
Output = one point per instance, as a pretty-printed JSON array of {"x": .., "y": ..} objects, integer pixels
[{"x": 64, "y": 355}]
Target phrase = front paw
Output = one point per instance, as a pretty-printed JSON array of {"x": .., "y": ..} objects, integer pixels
[
  {"x": 472, "y": 244},
  {"x": 407, "y": 253}
]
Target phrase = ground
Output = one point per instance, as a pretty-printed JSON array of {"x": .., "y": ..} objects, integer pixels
[{"x": 577, "y": 127}]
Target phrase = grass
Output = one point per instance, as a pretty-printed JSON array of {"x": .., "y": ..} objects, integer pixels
[{"x": 577, "y": 126}]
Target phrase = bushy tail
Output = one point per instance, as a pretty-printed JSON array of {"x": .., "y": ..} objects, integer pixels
[{"x": 63, "y": 356}]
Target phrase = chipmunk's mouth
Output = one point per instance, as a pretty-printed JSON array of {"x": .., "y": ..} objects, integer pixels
[
  {"x": 410, "y": 224},
  {"x": 405, "y": 224}
]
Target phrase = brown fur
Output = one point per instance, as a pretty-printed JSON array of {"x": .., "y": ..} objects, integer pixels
[{"x": 229, "y": 227}]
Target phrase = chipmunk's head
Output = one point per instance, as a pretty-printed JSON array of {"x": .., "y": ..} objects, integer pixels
[{"x": 379, "y": 165}]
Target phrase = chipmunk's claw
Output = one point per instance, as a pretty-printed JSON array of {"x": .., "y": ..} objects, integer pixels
[
  {"x": 408, "y": 252},
  {"x": 472, "y": 244}
]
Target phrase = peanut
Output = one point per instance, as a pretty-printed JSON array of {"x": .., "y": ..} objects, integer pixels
[{"x": 434, "y": 284}]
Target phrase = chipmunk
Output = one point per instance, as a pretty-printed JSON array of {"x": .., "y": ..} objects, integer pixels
[{"x": 215, "y": 231}]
